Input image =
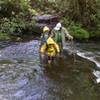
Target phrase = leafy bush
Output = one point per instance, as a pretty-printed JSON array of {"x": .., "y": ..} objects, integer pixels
[
  {"x": 4, "y": 36},
  {"x": 9, "y": 8},
  {"x": 15, "y": 16},
  {"x": 79, "y": 32},
  {"x": 14, "y": 25},
  {"x": 95, "y": 31}
]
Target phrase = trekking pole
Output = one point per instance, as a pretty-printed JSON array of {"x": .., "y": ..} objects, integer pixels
[{"x": 73, "y": 50}]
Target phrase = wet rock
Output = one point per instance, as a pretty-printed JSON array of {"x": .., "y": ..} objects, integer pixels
[
  {"x": 46, "y": 20},
  {"x": 97, "y": 74}
]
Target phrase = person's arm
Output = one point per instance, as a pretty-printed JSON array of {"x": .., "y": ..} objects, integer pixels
[
  {"x": 43, "y": 49},
  {"x": 57, "y": 47},
  {"x": 52, "y": 33},
  {"x": 67, "y": 34}
]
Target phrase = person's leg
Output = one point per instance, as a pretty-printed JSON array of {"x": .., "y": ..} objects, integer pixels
[
  {"x": 61, "y": 48},
  {"x": 49, "y": 59}
]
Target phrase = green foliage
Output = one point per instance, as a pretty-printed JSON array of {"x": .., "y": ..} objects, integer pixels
[
  {"x": 9, "y": 8},
  {"x": 15, "y": 16},
  {"x": 79, "y": 32},
  {"x": 14, "y": 25},
  {"x": 4, "y": 36},
  {"x": 96, "y": 29}
]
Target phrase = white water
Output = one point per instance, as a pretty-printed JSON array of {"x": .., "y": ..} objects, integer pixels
[{"x": 91, "y": 58}]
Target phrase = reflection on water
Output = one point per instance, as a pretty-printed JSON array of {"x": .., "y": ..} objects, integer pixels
[{"x": 22, "y": 77}]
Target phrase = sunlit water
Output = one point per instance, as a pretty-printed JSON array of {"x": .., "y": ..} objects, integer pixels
[{"x": 23, "y": 77}]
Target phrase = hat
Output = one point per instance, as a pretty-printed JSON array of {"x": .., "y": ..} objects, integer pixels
[
  {"x": 46, "y": 29},
  {"x": 58, "y": 26}
]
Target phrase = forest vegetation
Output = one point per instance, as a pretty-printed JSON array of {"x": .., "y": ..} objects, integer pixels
[{"x": 80, "y": 17}]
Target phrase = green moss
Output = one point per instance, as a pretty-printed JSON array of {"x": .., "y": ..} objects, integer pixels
[{"x": 4, "y": 36}]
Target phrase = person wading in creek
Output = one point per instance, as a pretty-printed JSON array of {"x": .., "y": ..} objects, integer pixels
[
  {"x": 59, "y": 34},
  {"x": 50, "y": 49},
  {"x": 45, "y": 35}
]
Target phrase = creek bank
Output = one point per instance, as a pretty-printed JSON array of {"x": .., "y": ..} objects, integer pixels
[{"x": 36, "y": 29}]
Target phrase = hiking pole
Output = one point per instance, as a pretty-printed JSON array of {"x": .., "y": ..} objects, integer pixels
[{"x": 73, "y": 50}]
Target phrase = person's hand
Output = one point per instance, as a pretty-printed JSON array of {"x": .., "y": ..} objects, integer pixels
[
  {"x": 58, "y": 54},
  {"x": 42, "y": 55},
  {"x": 70, "y": 37}
]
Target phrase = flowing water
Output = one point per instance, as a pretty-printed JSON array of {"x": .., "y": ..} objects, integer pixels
[{"x": 71, "y": 77}]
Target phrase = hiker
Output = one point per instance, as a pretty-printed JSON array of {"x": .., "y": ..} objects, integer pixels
[
  {"x": 45, "y": 35},
  {"x": 50, "y": 48},
  {"x": 59, "y": 34}
]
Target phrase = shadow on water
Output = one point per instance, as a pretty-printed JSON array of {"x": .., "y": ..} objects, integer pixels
[
  {"x": 68, "y": 80},
  {"x": 22, "y": 77}
]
